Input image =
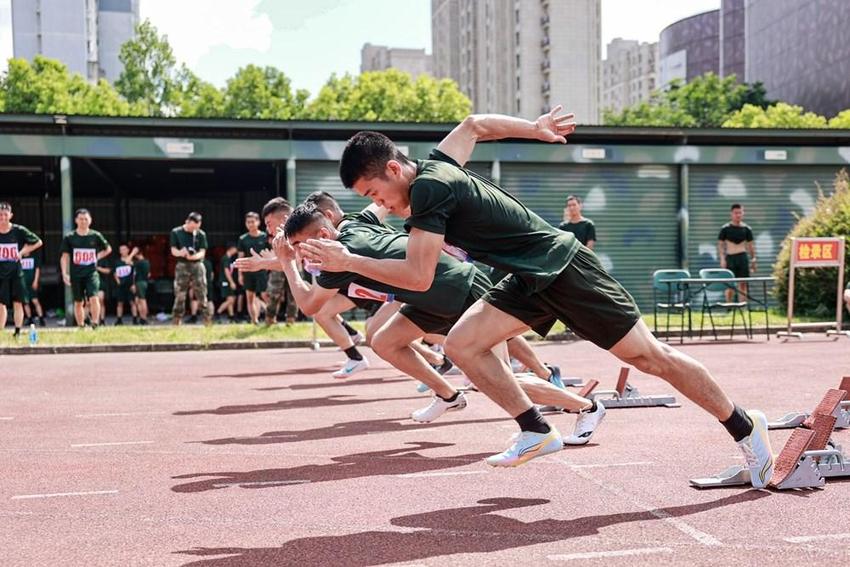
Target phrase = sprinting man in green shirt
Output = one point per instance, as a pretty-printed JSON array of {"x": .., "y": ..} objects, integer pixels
[
  {"x": 255, "y": 283},
  {"x": 552, "y": 277},
  {"x": 81, "y": 250},
  {"x": 583, "y": 229},
  {"x": 16, "y": 242}
]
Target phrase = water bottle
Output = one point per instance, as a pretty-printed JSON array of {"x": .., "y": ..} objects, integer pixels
[{"x": 33, "y": 335}]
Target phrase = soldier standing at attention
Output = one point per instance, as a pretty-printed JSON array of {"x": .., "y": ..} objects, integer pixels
[
  {"x": 81, "y": 250},
  {"x": 584, "y": 229},
  {"x": 123, "y": 275},
  {"x": 189, "y": 245},
  {"x": 255, "y": 283},
  {"x": 31, "y": 266},
  {"x": 734, "y": 243},
  {"x": 141, "y": 275}
]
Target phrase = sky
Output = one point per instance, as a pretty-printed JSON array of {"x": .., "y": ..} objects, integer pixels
[{"x": 311, "y": 40}]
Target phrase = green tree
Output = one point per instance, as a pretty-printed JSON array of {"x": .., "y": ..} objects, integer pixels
[
  {"x": 705, "y": 102},
  {"x": 841, "y": 120},
  {"x": 779, "y": 115},
  {"x": 198, "y": 98},
  {"x": 150, "y": 76},
  {"x": 262, "y": 93},
  {"x": 389, "y": 96}
]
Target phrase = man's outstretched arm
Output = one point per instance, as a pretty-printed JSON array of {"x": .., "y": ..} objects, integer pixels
[{"x": 551, "y": 127}]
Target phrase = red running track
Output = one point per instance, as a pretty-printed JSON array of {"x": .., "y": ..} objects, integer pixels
[{"x": 230, "y": 458}]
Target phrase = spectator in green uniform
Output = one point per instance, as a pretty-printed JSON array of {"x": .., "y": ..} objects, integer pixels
[
  {"x": 16, "y": 242},
  {"x": 226, "y": 282},
  {"x": 736, "y": 249},
  {"x": 141, "y": 275},
  {"x": 255, "y": 283},
  {"x": 189, "y": 245},
  {"x": 81, "y": 249},
  {"x": 123, "y": 275},
  {"x": 104, "y": 271},
  {"x": 574, "y": 222},
  {"x": 31, "y": 267}
]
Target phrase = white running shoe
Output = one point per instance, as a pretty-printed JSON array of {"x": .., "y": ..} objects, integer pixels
[
  {"x": 438, "y": 407},
  {"x": 757, "y": 451},
  {"x": 351, "y": 368},
  {"x": 586, "y": 425},
  {"x": 527, "y": 445}
]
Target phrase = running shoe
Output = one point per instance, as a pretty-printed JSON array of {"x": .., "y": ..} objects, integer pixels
[
  {"x": 351, "y": 367},
  {"x": 527, "y": 445},
  {"x": 438, "y": 407},
  {"x": 757, "y": 451},
  {"x": 555, "y": 376},
  {"x": 586, "y": 425}
]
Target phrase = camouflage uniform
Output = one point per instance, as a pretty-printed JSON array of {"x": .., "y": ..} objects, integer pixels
[
  {"x": 279, "y": 292},
  {"x": 190, "y": 274}
]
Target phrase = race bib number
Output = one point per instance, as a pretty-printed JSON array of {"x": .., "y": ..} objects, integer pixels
[
  {"x": 9, "y": 252},
  {"x": 123, "y": 271},
  {"x": 361, "y": 292},
  {"x": 85, "y": 256},
  {"x": 28, "y": 263},
  {"x": 456, "y": 252}
]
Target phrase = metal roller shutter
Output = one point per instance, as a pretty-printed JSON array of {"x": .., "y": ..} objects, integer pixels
[{"x": 634, "y": 209}]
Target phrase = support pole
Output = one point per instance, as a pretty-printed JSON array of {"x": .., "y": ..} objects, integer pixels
[{"x": 67, "y": 226}]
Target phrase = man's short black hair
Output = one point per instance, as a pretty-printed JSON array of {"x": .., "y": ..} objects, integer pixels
[
  {"x": 366, "y": 155},
  {"x": 79, "y": 212},
  {"x": 194, "y": 217},
  {"x": 252, "y": 214},
  {"x": 5, "y": 206},
  {"x": 321, "y": 199},
  {"x": 573, "y": 197},
  {"x": 276, "y": 205},
  {"x": 735, "y": 206},
  {"x": 302, "y": 216}
]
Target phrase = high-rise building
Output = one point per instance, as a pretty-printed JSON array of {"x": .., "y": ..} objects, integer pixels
[
  {"x": 628, "y": 73},
  {"x": 86, "y": 35},
  {"x": 689, "y": 48},
  {"x": 380, "y": 57},
  {"x": 521, "y": 57}
]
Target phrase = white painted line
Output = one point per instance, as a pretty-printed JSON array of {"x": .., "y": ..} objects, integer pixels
[
  {"x": 603, "y": 465},
  {"x": 6, "y": 418},
  {"x": 224, "y": 484},
  {"x": 58, "y": 494},
  {"x": 449, "y": 473},
  {"x": 111, "y": 444},
  {"x": 824, "y": 537},
  {"x": 602, "y": 554},
  {"x": 125, "y": 414}
]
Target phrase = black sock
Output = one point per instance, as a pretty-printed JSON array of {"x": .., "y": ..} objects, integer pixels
[
  {"x": 449, "y": 400},
  {"x": 351, "y": 330},
  {"x": 353, "y": 353},
  {"x": 739, "y": 424},
  {"x": 531, "y": 420}
]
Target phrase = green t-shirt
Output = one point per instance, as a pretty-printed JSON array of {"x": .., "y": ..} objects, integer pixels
[
  {"x": 141, "y": 270},
  {"x": 584, "y": 230},
  {"x": 10, "y": 249},
  {"x": 735, "y": 234},
  {"x": 224, "y": 265},
  {"x": 486, "y": 221},
  {"x": 124, "y": 272},
  {"x": 194, "y": 242},
  {"x": 365, "y": 235},
  {"x": 257, "y": 243},
  {"x": 29, "y": 265},
  {"x": 83, "y": 251}
]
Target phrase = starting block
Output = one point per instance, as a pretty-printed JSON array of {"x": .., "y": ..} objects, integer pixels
[
  {"x": 627, "y": 396},
  {"x": 836, "y": 403},
  {"x": 807, "y": 460}
]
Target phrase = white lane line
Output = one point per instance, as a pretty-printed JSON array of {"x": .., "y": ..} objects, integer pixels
[
  {"x": 59, "y": 494},
  {"x": 6, "y": 418},
  {"x": 77, "y": 445},
  {"x": 224, "y": 484},
  {"x": 604, "y": 465},
  {"x": 684, "y": 527},
  {"x": 125, "y": 414},
  {"x": 449, "y": 473},
  {"x": 824, "y": 537},
  {"x": 602, "y": 554}
]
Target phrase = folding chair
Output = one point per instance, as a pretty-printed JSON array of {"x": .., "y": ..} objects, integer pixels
[
  {"x": 714, "y": 298},
  {"x": 677, "y": 298}
]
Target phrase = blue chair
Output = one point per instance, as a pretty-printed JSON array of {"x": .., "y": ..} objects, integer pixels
[
  {"x": 714, "y": 299},
  {"x": 671, "y": 298}
]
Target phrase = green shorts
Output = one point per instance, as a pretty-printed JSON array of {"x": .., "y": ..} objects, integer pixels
[
  {"x": 370, "y": 306},
  {"x": 255, "y": 281},
  {"x": 584, "y": 297},
  {"x": 225, "y": 290},
  {"x": 123, "y": 294},
  {"x": 142, "y": 289},
  {"x": 29, "y": 292},
  {"x": 85, "y": 287},
  {"x": 433, "y": 324},
  {"x": 739, "y": 264},
  {"x": 12, "y": 290}
]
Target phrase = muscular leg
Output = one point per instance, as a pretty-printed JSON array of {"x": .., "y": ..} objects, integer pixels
[
  {"x": 94, "y": 305},
  {"x": 4, "y": 314},
  {"x": 326, "y": 319},
  {"x": 642, "y": 350},
  {"x": 519, "y": 348},
  {"x": 253, "y": 308},
  {"x": 380, "y": 318},
  {"x": 80, "y": 313}
]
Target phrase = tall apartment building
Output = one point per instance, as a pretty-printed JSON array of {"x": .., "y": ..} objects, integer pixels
[
  {"x": 86, "y": 35},
  {"x": 380, "y": 57},
  {"x": 521, "y": 57},
  {"x": 628, "y": 73}
]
